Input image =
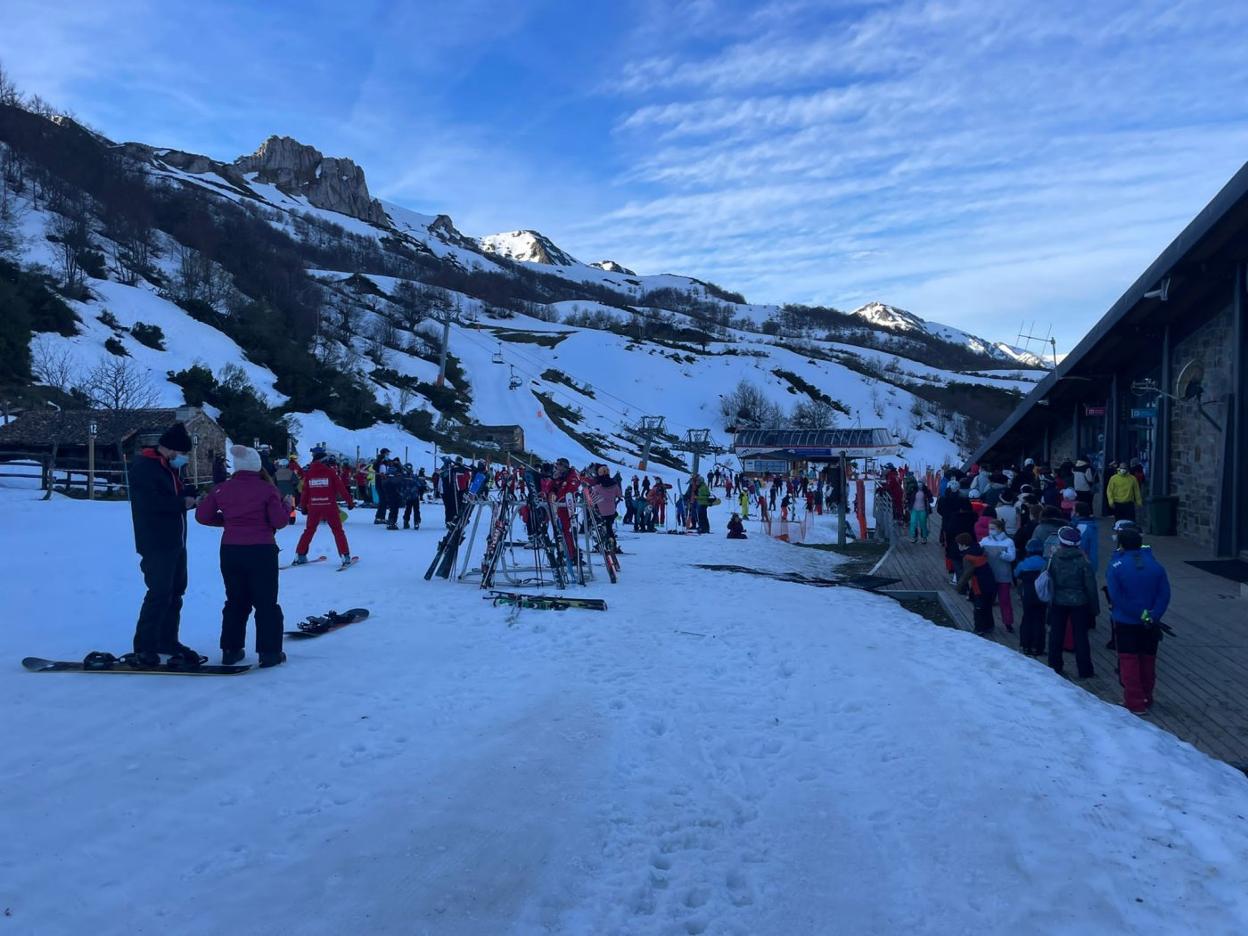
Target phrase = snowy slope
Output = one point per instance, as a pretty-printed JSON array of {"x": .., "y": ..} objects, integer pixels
[{"x": 447, "y": 767}]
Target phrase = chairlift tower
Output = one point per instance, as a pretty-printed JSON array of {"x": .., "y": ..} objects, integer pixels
[
  {"x": 698, "y": 443},
  {"x": 648, "y": 428}
]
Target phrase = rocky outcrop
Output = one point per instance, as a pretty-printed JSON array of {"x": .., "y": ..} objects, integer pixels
[
  {"x": 610, "y": 266},
  {"x": 327, "y": 182}
]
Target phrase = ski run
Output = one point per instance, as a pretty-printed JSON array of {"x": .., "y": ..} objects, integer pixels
[{"x": 717, "y": 753}]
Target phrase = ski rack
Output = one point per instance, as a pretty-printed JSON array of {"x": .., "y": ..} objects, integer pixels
[{"x": 503, "y": 513}]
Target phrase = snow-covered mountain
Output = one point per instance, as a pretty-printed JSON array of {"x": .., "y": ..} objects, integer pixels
[
  {"x": 528, "y": 247},
  {"x": 281, "y": 265},
  {"x": 898, "y": 320}
]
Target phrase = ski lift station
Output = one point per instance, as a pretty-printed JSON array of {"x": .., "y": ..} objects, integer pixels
[
  {"x": 777, "y": 451},
  {"x": 1163, "y": 378}
]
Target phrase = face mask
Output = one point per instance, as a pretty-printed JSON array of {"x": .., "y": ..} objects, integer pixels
[{"x": 178, "y": 461}]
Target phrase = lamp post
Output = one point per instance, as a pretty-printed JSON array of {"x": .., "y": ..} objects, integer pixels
[
  {"x": 93, "y": 429},
  {"x": 195, "y": 458}
]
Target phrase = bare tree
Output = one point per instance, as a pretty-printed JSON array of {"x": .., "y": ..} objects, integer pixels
[
  {"x": 11, "y": 211},
  {"x": 53, "y": 365},
  {"x": 9, "y": 95},
  {"x": 748, "y": 406},
  {"x": 72, "y": 230},
  {"x": 117, "y": 384},
  {"x": 815, "y": 414}
]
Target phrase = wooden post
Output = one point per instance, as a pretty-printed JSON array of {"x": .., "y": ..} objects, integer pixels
[
  {"x": 842, "y": 496},
  {"x": 91, "y": 467}
]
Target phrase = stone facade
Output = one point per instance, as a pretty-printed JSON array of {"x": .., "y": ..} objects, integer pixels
[{"x": 1195, "y": 445}]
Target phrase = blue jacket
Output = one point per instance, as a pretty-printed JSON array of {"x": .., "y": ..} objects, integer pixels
[
  {"x": 1088, "y": 538},
  {"x": 1137, "y": 583}
]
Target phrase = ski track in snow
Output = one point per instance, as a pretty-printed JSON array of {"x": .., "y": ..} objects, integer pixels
[{"x": 717, "y": 753}]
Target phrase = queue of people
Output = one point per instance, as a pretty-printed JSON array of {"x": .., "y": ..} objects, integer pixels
[{"x": 1031, "y": 532}]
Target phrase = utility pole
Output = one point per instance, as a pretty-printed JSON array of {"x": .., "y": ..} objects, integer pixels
[{"x": 649, "y": 427}]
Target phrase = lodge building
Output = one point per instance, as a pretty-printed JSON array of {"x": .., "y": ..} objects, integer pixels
[{"x": 1162, "y": 377}]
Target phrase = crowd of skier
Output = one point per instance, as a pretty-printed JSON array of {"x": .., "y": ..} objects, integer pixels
[
  {"x": 263, "y": 495},
  {"x": 1003, "y": 529},
  {"x": 1033, "y": 530}
]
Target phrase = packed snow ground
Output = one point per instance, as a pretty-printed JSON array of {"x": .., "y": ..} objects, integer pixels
[{"x": 716, "y": 753}]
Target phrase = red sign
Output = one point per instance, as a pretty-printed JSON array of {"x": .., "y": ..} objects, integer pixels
[{"x": 1094, "y": 411}]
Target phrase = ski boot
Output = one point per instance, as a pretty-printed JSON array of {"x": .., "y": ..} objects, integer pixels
[
  {"x": 231, "y": 657},
  {"x": 300, "y": 559},
  {"x": 184, "y": 658},
  {"x": 346, "y": 560},
  {"x": 140, "y": 660}
]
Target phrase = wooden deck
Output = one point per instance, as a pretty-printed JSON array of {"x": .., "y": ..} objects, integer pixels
[{"x": 1202, "y": 671}]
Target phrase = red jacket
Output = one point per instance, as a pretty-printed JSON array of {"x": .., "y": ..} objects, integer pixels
[
  {"x": 560, "y": 488},
  {"x": 323, "y": 487},
  {"x": 249, "y": 507}
]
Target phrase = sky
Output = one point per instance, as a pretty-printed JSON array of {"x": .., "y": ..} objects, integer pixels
[{"x": 996, "y": 166}]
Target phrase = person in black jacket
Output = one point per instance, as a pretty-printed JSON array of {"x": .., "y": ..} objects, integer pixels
[{"x": 159, "y": 501}]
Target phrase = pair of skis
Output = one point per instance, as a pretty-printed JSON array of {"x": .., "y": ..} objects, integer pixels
[
  {"x": 448, "y": 548},
  {"x": 544, "y": 602},
  {"x": 341, "y": 568}
]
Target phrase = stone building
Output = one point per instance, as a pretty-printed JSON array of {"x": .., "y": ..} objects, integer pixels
[
  {"x": 1162, "y": 377},
  {"x": 59, "y": 438}
]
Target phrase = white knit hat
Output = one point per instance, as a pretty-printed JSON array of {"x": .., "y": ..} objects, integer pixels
[{"x": 245, "y": 459}]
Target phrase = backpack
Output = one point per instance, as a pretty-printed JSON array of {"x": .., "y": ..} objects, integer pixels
[{"x": 1044, "y": 583}]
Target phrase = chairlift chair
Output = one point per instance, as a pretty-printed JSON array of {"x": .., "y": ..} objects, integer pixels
[
  {"x": 514, "y": 382},
  {"x": 497, "y": 356}
]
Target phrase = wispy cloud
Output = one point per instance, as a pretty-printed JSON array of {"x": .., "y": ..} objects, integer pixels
[
  {"x": 977, "y": 162},
  {"x": 974, "y": 161}
]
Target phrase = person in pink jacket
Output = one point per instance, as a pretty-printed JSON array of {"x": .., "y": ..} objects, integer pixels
[{"x": 250, "y": 509}]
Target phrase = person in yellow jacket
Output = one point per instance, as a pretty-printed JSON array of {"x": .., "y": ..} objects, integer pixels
[{"x": 1122, "y": 494}]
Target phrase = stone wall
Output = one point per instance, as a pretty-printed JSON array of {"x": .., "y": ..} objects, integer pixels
[{"x": 1195, "y": 445}]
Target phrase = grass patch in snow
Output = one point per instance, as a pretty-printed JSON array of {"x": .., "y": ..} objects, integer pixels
[
  {"x": 545, "y": 339},
  {"x": 555, "y": 375}
]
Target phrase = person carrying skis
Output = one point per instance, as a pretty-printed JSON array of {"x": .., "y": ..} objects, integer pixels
[
  {"x": 322, "y": 489},
  {"x": 250, "y": 510},
  {"x": 159, "y": 500},
  {"x": 603, "y": 492},
  {"x": 564, "y": 486}
]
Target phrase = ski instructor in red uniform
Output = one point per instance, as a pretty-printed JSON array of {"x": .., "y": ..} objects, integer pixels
[{"x": 322, "y": 489}]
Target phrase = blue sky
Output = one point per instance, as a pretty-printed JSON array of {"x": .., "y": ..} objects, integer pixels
[{"x": 980, "y": 163}]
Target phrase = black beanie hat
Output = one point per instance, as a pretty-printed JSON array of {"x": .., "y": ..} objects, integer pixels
[{"x": 176, "y": 438}]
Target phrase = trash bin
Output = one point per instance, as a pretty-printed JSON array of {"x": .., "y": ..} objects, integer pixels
[{"x": 1163, "y": 513}]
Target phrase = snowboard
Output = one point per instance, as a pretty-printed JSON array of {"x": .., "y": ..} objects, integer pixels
[
  {"x": 40, "y": 665},
  {"x": 342, "y": 568},
  {"x": 291, "y": 565},
  {"x": 319, "y": 624}
]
